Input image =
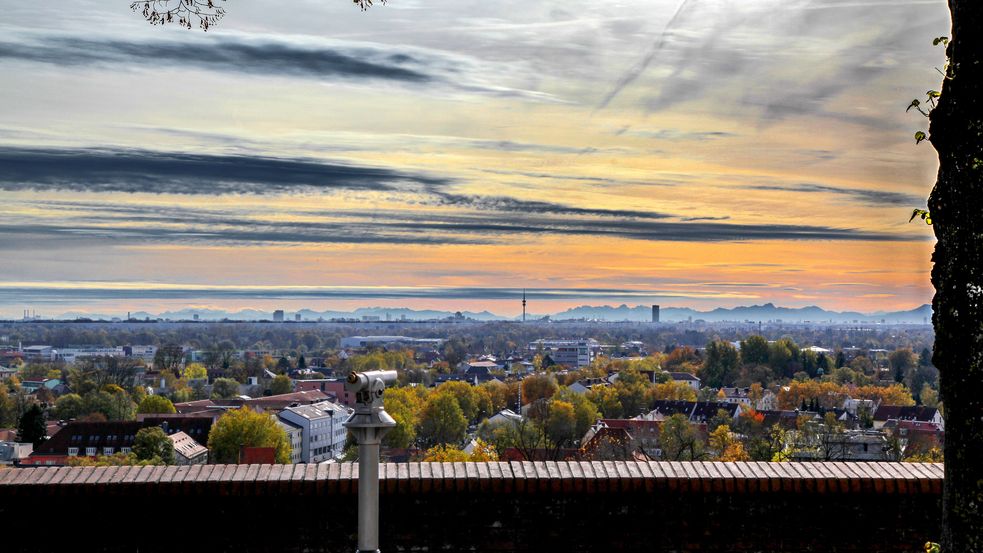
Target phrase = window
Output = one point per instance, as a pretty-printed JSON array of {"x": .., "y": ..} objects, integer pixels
[
  {"x": 73, "y": 451},
  {"x": 107, "y": 451},
  {"x": 90, "y": 451}
]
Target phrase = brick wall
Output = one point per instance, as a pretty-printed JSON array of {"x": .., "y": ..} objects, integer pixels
[{"x": 518, "y": 506}]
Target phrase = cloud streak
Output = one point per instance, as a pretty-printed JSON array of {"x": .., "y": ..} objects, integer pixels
[
  {"x": 156, "y": 225},
  {"x": 308, "y": 59},
  {"x": 864, "y": 195},
  {"x": 75, "y": 291},
  {"x": 144, "y": 171}
]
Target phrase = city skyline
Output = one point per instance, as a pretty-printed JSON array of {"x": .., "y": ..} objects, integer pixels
[{"x": 702, "y": 154}]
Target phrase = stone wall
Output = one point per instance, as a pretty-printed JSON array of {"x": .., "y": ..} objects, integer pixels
[{"x": 518, "y": 506}]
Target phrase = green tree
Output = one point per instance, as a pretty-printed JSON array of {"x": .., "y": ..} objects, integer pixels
[
  {"x": 404, "y": 405},
  {"x": 7, "y": 407},
  {"x": 224, "y": 388},
  {"x": 32, "y": 427},
  {"x": 281, "y": 384},
  {"x": 194, "y": 371},
  {"x": 902, "y": 361},
  {"x": 115, "y": 406},
  {"x": 929, "y": 396},
  {"x": 632, "y": 388},
  {"x": 680, "y": 441},
  {"x": 243, "y": 427},
  {"x": 498, "y": 393},
  {"x": 561, "y": 423},
  {"x": 754, "y": 350},
  {"x": 607, "y": 401},
  {"x": 585, "y": 411},
  {"x": 475, "y": 402},
  {"x": 442, "y": 421},
  {"x": 69, "y": 406},
  {"x": 153, "y": 444},
  {"x": 721, "y": 366},
  {"x": 156, "y": 404}
]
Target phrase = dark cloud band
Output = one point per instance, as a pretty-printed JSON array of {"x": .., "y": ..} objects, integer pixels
[
  {"x": 227, "y": 54},
  {"x": 143, "y": 171}
]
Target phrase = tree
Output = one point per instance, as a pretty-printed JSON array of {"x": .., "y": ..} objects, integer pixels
[
  {"x": 239, "y": 428},
  {"x": 156, "y": 404},
  {"x": 281, "y": 384},
  {"x": 679, "y": 440},
  {"x": 474, "y": 402},
  {"x": 538, "y": 386},
  {"x": 404, "y": 405},
  {"x": 444, "y": 453},
  {"x": 169, "y": 357},
  {"x": 442, "y": 421},
  {"x": 607, "y": 401},
  {"x": 224, "y": 388},
  {"x": 7, "y": 407},
  {"x": 32, "y": 427},
  {"x": 754, "y": 350},
  {"x": 956, "y": 207},
  {"x": 194, "y": 371},
  {"x": 721, "y": 366},
  {"x": 69, "y": 406},
  {"x": 153, "y": 444},
  {"x": 585, "y": 411},
  {"x": 561, "y": 423},
  {"x": 673, "y": 390},
  {"x": 633, "y": 390},
  {"x": 929, "y": 396},
  {"x": 726, "y": 446},
  {"x": 902, "y": 361},
  {"x": 498, "y": 392}
]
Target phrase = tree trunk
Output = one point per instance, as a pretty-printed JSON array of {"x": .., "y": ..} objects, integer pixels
[{"x": 956, "y": 207}]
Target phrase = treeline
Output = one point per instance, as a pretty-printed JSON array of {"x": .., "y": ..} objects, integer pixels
[{"x": 461, "y": 340}]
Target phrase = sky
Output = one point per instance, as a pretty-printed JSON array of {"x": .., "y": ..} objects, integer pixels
[{"x": 448, "y": 154}]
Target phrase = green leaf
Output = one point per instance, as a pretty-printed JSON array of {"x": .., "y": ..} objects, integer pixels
[
  {"x": 919, "y": 136},
  {"x": 933, "y": 94},
  {"x": 943, "y": 40},
  {"x": 914, "y": 104}
]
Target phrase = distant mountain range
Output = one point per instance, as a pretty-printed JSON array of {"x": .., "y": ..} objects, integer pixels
[
  {"x": 640, "y": 313},
  {"x": 763, "y": 313}
]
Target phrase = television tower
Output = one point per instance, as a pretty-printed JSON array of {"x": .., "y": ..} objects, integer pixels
[{"x": 523, "y": 305}]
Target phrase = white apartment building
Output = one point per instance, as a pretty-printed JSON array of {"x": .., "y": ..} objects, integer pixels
[
  {"x": 321, "y": 427},
  {"x": 572, "y": 353}
]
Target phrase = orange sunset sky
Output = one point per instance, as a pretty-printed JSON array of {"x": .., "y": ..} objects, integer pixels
[{"x": 446, "y": 155}]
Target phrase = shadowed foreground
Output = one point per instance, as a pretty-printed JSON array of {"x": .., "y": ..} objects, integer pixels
[{"x": 518, "y": 506}]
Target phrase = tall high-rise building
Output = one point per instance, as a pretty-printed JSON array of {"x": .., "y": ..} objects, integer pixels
[
  {"x": 655, "y": 313},
  {"x": 278, "y": 316}
]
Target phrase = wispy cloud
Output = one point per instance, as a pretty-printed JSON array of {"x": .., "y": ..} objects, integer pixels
[
  {"x": 144, "y": 171},
  {"x": 53, "y": 291},
  {"x": 135, "y": 224},
  {"x": 283, "y": 56},
  {"x": 864, "y": 195}
]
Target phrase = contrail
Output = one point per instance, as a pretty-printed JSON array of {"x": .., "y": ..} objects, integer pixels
[{"x": 635, "y": 71}]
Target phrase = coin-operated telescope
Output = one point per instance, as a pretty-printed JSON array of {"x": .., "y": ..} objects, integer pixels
[{"x": 369, "y": 423}]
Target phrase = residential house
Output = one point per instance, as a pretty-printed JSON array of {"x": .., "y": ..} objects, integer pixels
[
  {"x": 691, "y": 380},
  {"x": 585, "y": 384},
  {"x": 90, "y": 439},
  {"x": 918, "y": 413}
]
